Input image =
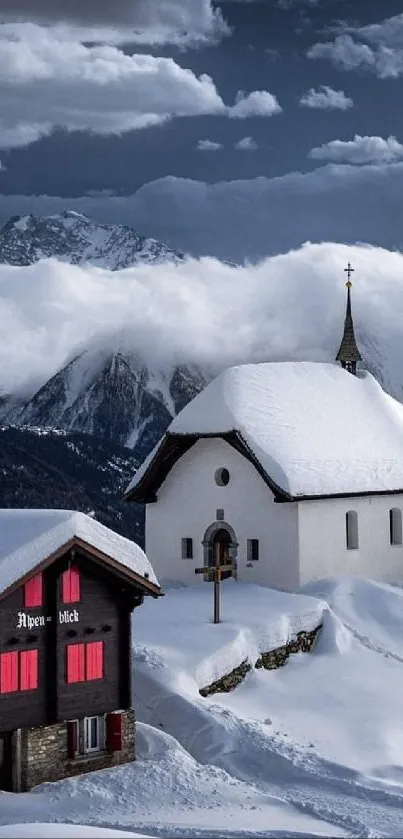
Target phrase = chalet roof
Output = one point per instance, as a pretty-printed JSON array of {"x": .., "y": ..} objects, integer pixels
[
  {"x": 29, "y": 537},
  {"x": 311, "y": 429}
]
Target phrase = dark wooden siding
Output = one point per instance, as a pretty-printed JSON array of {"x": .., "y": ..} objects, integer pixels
[
  {"x": 97, "y": 610},
  {"x": 26, "y": 707},
  {"x": 104, "y": 613}
]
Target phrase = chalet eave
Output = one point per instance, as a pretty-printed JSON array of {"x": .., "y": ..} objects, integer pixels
[
  {"x": 126, "y": 574},
  {"x": 174, "y": 446}
]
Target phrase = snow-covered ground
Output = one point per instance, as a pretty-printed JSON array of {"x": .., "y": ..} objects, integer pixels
[{"x": 312, "y": 749}]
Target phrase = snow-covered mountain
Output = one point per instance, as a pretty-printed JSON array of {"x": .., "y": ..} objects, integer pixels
[
  {"x": 72, "y": 237},
  {"x": 112, "y": 394}
]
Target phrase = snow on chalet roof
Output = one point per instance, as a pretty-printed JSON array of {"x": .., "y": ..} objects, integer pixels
[
  {"x": 28, "y": 537},
  {"x": 314, "y": 428}
]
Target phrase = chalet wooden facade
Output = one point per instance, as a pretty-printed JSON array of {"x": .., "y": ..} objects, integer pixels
[{"x": 65, "y": 642}]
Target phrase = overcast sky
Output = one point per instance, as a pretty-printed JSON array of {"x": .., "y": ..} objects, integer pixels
[{"x": 238, "y": 129}]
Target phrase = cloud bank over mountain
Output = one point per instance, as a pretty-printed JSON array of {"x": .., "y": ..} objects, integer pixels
[{"x": 289, "y": 306}]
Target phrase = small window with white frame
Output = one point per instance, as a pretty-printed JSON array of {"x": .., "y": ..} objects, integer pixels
[
  {"x": 94, "y": 734},
  {"x": 395, "y": 526},
  {"x": 252, "y": 550},
  {"x": 352, "y": 542}
]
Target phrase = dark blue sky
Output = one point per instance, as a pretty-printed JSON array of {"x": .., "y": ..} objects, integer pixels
[
  {"x": 74, "y": 164},
  {"x": 267, "y": 50}
]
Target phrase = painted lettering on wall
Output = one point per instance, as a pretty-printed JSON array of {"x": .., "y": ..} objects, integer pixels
[
  {"x": 69, "y": 616},
  {"x": 29, "y": 622}
]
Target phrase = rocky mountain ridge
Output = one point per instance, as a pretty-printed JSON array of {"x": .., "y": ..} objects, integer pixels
[
  {"x": 75, "y": 238},
  {"x": 111, "y": 394}
]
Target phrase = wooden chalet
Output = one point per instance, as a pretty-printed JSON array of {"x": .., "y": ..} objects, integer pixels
[{"x": 68, "y": 586}]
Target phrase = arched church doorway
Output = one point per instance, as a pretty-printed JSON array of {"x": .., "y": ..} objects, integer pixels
[
  {"x": 221, "y": 544},
  {"x": 220, "y": 541}
]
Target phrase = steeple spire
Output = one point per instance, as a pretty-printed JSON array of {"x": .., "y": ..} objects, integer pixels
[{"x": 348, "y": 353}]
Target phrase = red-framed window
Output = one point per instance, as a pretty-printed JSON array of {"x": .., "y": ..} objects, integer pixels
[
  {"x": 71, "y": 585},
  {"x": 19, "y": 671},
  {"x": 75, "y": 663},
  {"x": 29, "y": 669},
  {"x": 8, "y": 672},
  {"x": 94, "y": 664},
  {"x": 84, "y": 662},
  {"x": 33, "y": 592}
]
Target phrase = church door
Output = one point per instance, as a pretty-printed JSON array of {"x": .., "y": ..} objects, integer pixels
[{"x": 221, "y": 542}]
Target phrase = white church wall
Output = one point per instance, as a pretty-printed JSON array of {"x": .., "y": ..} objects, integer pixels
[
  {"x": 322, "y": 539},
  {"x": 187, "y": 505}
]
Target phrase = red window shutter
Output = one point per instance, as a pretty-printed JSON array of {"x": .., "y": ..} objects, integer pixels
[
  {"x": 114, "y": 732},
  {"x": 8, "y": 672},
  {"x": 94, "y": 660},
  {"x": 29, "y": 669},
  {"x": 72, "y": 738},
  {"x": 33, "y": 592},
  {"x": 75, "y": 661},
  {"x": 71, "y": 587}
]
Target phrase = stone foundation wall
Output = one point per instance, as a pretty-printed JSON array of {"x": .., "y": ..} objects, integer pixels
[
  {"x": 44, "y": 754},
  {"x": 272, "y": 660}
]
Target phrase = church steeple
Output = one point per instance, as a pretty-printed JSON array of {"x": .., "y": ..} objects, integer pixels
[{"x": 348, "y": 353}]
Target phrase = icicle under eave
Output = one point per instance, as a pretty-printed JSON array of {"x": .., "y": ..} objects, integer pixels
[{"x": 348, "y": 353}]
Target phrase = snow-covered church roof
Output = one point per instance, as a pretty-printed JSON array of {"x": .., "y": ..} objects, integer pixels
[
  {"x": 312, "y": 429},
  {"x": 29, "y": 537}
]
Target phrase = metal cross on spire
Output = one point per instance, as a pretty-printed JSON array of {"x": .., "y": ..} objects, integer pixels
[{"x": 349, "y": 270}]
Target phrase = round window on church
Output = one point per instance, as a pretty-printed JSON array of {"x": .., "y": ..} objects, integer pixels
[{"x": 221, "y": 477}]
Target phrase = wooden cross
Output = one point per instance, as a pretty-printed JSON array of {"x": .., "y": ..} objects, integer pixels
[
  {"x": 216, "y": 571},
  {"x": 349, "y": 270}
]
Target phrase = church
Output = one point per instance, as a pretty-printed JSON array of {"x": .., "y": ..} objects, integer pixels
[{"x": 289, "y": 471}]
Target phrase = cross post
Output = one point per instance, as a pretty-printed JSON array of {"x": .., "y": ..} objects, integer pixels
[
  {"x": 349, "y": 270},
  {"x": 216, "y": 570}
]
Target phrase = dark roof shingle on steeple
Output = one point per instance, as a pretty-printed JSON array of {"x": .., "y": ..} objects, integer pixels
[{"x": 348, "y": 353}]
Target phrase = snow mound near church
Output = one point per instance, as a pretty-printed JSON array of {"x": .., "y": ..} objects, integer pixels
[
  {"x": 176, "y": 638},
  {"x": 64, "y": 831},
  {"x": 342, "y": 700},
  {"x": 372, "y": 612}
]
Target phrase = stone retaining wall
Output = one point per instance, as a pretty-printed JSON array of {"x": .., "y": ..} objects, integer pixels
[{"x": 272, "y": 660}]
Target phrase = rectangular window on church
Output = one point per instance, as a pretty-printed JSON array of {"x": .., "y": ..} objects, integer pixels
[
  {"x": 253, "y": 550},
  {"x": 395, "y": 526},
  {"x": 187, "y": 548},
  {"x": 352, "y": 530}
]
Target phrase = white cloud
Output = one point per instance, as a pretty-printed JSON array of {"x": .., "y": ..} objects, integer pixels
[
  {"x": 246, "y": 144},
  {"x": 326, "y": 97},
  {"x": 208, "y": 145},
  {"x": 165, "y": 312},
  {"x": 182, "y": 22},
  {"x": 259, "y": 103},
  {"x": 348, "y": 54},
  {"x": 49, "y": 81},
  {"x": 388, "y": 32},
  {"x": 360, "y": 150},
  {"x": 344, "y": 52}
]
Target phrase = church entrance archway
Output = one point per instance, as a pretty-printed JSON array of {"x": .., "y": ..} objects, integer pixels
[{"x": 220, "y": 538}]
